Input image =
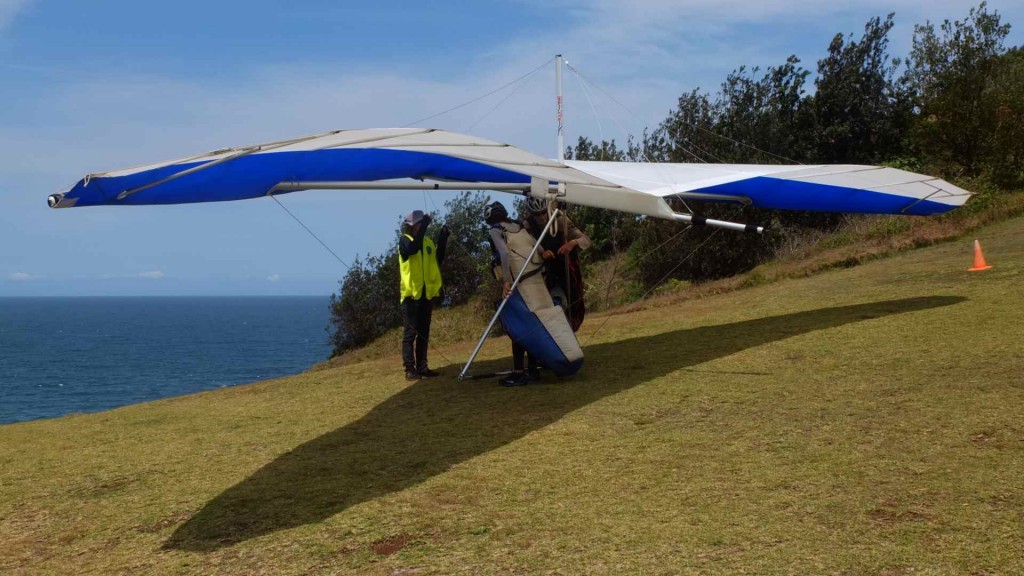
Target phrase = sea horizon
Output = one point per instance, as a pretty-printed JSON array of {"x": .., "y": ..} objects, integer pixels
[{"x": 72, "y": 354}]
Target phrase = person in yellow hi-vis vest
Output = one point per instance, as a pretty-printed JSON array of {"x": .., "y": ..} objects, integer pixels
[{"x": 419, "y": 261}]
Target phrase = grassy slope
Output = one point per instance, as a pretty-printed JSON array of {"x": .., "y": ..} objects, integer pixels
[{"x": 865, "y": 420}]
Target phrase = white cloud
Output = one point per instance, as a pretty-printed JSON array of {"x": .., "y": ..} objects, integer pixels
[
  {"x": 21, "y": 276},
  {"x": 153, "y": 274},
  {"x": 274, "y": 278},
  {"x": 9, "y": 10}
]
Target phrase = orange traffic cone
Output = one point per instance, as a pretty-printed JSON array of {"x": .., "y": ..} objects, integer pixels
[{"x": 979, "y": 259}]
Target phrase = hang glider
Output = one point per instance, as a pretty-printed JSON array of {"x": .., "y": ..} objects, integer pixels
[{"x": 412, "y": 158}]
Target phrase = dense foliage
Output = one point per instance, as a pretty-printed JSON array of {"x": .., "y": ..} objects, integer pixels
[{"x": 954, "y": 108}]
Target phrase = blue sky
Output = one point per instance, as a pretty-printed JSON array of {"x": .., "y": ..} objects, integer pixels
[{"x": 98, "y": 86}]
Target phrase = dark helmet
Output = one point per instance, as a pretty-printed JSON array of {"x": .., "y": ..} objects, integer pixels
[
  {"x": 495, "y": 212},
  {"x": 536, "y": 205}
]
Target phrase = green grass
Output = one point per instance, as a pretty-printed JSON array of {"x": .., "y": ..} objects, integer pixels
[{"x": 864, "y": 420}]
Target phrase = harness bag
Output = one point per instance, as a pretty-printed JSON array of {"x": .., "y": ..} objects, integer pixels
[{"x": 530, "y": 316}]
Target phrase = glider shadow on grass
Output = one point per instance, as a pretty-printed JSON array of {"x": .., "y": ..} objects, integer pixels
[{"x": 436, "y": 423}]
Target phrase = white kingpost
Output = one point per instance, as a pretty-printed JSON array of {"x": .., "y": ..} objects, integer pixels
[
  {"x": 504, "y": 300},
  {"x": 558, "y": 90}
]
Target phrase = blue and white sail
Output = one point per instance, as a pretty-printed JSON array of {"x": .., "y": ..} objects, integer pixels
[{"x": 395, "y": 157}]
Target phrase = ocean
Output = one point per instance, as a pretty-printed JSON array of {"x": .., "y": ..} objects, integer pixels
[{"x": 65, "y": 355}]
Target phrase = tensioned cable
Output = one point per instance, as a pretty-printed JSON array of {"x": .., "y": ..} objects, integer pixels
[
  {"x": 306, "y": 228},
  {"x": 697, "y": 126},
  {"x": 523, "y": 81},
  {"x": 615, "y": 269},
  {"x": 659, "y": 282},
  {"x": 675, "y": 134},
  {"x": 583, "y": 81},
  {"x": 670, "y": 272},
  {"x": 526, "y": 79},
  {"x": 582, "y": 78},
  {"x": 328, "y": 248},
  {"x": 478, "y": 98},
  {"x": 586, "y": 94}
]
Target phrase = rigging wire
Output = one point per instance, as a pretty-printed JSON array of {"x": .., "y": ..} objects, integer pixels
[
  {"x": 522, "y": 81},
  {"x": 525, "y": 79},
  {"x": 636, "y": 262},
  {"x": 695, "y": 125},
  {"x": 583, "y": 81},
  {"x": 659, "y": 282},
  {"x": 328, "y": 248},
  {"x": 478, "y": 98},
  {"x": 347, "y": 267},
  {"x": 670, "y": 272},
  {"x": 586, "y": 94}
]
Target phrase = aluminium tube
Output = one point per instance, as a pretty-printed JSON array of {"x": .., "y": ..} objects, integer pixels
[{"x": 701, "y": 221}]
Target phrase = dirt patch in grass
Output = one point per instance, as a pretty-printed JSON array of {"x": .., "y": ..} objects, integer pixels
[
  {"x": 890, "y": 512},
  {"x": 391, "y": 544}
]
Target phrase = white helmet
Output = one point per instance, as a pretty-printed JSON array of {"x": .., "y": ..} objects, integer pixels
[{"x": 536, "y": 205}]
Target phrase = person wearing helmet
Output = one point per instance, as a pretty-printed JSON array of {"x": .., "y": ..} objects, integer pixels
[
  {"x": 419, "y": 262},
  {"x": 500, "y": 227},
  {"x": 560, "y": 250}
]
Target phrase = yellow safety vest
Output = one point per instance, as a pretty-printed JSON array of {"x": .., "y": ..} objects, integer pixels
[{"x": 420, "y": 270}]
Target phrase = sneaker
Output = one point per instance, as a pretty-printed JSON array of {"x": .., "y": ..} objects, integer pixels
[
  {"x": 533, "y": 374},
  {"x": 516, "y": 379},
  {"x": 413, "y": 376},
  {"x": 428, "y": 373}
]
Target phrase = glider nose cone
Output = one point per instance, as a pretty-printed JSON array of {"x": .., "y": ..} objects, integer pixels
[{"x": 60, "y": 201}]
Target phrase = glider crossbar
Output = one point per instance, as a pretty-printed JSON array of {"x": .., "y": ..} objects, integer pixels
[
  {"x": 695, "y": 220},
  {"x": 504, "y": 300}
]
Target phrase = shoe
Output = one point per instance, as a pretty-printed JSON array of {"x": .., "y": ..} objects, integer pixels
[
  {"x": 428, "y": 373},
  {"x": 413, "y": 376},
  {"x": 533, "y": 374},
  {"x": 516, "y": 379}
]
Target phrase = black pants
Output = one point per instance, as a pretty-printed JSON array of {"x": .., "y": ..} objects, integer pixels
[
  {"x": 416, "y": 318},
  {"x": 518, "y": 354}
]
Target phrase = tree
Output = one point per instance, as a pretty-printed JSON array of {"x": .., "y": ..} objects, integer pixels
[
  {"x": 366, "y": 305},
  {"x": 862, "y": 111},
  {"x": 1004, "y": 96},
  {"x": 467, "y": 261},
  {"x": 761, "y": 117},
  {"x": 687, "y": 134},
  {"x": 963, "y": 88}
]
